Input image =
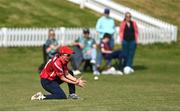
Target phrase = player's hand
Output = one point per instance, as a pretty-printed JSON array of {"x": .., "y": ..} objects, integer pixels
[{"x": 81, "y": 83}]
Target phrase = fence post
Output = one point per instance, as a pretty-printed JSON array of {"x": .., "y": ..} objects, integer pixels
[
  {"x": 175, "y": 31},
  {"x": 62, "y": 29},
  {"x": 82, "y": 4},
  {"x": 4, "y": 31}
]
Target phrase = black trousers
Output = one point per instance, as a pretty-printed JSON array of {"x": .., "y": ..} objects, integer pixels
[
  {"x": 76, "y": 58},
  {"x": 118, "y": 54}
]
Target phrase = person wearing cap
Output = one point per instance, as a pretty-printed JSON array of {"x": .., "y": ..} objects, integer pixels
[
  {"x": 55, "y": 73},
  {"x": 88, "y": 52},
  {"x": 106, "y": 24},
  {"x": 78, "y": 46}
]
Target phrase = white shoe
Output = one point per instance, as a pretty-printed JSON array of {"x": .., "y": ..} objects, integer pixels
[
  {"x": 118, "y": 72},
  {"x": 38, "y": 96},
  {"x": 132, "y": 70},
  {"x": 111, "y": 70},
  {"x": 127, "y": 70},
  {"x": 93, "y": 61},
  {"x": 96, "y": 73},
  {"x": 76, "y": 72}
]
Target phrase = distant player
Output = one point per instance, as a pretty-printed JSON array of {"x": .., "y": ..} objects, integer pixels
[{"x": 55, "y": 73}]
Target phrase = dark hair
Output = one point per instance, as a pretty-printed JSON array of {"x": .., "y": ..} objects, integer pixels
[
  {"x": 107, "y": 35},
  {"x": 85, "y": 30},
  {"x": 126, "y": 15},
  {"x": 51, "y": 30},
  {"x": 106, "y": 11}
]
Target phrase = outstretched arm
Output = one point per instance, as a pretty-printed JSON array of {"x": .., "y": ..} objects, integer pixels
[
  {"x": 106, "y": 51},
  {"x": 63, "y": 78},
  {"x": 70, "y": 79}
]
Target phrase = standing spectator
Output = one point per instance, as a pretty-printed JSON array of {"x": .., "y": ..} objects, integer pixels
[
  {"x": 51, "y": 44},
  {"x": 129, "y": 38},
  {"x": 106, "y": 24},
  {"x": 55, "y": 73}
]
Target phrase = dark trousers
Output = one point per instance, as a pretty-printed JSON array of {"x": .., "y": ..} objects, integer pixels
[
  {"x": 118, "y": 54},
  {"x": 129, "y": 48},
  {"x": 55, "y": 90},
  {"x": 111, "y": 42},
  {"x": 76, "y": 58}
]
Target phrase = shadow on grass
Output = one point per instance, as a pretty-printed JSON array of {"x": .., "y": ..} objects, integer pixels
[{"x": 140, "y": 67}]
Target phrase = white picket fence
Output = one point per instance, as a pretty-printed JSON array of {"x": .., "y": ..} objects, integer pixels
[{"x": 12, "y": 37}]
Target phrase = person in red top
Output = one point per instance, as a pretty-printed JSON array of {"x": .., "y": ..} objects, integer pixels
[
  {"x": 129, "y": 36},
  {"x": 55, "y": 73}
]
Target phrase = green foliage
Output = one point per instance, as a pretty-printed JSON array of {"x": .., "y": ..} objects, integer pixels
[{"x": 155, "y": 84}]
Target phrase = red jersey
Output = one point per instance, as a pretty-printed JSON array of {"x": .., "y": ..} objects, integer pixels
[
  {"x": 55, "y": 67},
  {"x": 105, "y": 46}
]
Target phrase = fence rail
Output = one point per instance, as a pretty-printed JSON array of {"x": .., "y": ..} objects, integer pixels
[{"x": 12, "y": 37}]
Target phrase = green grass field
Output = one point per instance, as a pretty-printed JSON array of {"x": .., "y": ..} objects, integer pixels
[
  {"x": 155, "y": 85},
  {"x": 44, "y": 13}
]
